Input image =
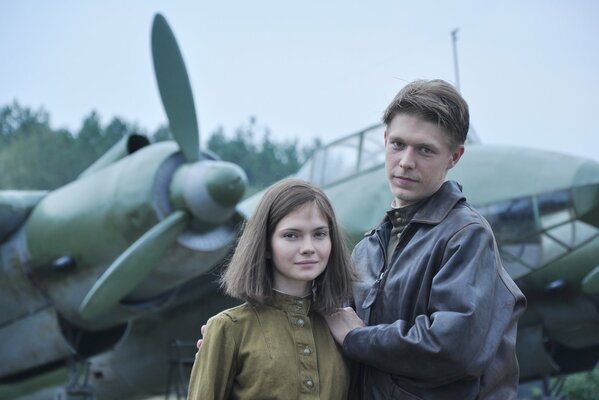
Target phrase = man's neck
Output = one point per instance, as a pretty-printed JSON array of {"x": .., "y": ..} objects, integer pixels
[{"x": 395, "y": 206}]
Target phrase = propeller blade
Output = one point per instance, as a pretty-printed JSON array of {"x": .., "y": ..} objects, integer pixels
[
  {"x": 131, "y": 267},
  {"x": 175, "y": 89}
]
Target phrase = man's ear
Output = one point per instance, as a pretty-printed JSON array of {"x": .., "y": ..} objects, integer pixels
[
  {"x": 386, "y": 134},
  {"x": 455, "y": 156}
]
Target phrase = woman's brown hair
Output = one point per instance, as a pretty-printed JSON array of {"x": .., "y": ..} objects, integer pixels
[{"x": 249, "y": 275}]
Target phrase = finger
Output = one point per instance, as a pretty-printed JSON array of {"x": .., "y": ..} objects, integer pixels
[
  {"x": 199, "y": 344},
  {"x": 203, "y": 329},
  {"x": 331, "y": 319}
]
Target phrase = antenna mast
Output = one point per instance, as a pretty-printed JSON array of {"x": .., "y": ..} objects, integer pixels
[{"x": 454, "y": 35}]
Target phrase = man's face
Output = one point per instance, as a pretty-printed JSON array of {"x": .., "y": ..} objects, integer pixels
[{"x": 417, "y": 158}]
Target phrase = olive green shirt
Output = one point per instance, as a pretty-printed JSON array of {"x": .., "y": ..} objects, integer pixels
[
  {"x": 399, "y": 217},
  {"x": 279, "y": 350}
]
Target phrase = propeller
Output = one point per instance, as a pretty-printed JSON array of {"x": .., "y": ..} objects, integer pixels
[
  {"x": 133, "y": 265},
  {"x": 175, "y": 90},
  {"x": 203, "y": 193}
]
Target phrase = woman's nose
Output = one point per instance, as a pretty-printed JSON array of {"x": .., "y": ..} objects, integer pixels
[{"x": 307, "y": 247}]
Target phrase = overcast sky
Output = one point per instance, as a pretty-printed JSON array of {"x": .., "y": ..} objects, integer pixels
[{"x": 315, "y": 68}]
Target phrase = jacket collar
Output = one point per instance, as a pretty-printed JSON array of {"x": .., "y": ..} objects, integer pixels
[
  {"x": 436, "y": 208},
  {"x": 433, "y": 210}
]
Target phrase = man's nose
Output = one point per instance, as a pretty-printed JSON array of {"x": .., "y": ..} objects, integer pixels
[{"x": 408, "y": 160}]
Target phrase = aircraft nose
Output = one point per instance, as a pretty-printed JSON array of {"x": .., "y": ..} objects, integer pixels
[{"x": 210, "y": 190}]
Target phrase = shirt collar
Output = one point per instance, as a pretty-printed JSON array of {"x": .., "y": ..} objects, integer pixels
[
  {"x": 289, "y": 303},
  {"x": 400, "y": 216}
]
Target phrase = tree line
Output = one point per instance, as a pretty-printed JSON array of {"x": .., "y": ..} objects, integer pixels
[{"x": 34, "y": 156}]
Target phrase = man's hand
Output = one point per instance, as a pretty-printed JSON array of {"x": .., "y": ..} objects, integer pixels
[
  {"x": 202, "y": 331},
  {"x": 342, "y": 321}
]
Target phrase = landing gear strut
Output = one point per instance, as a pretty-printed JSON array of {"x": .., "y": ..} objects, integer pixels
[{"x": 78, "y": 387}]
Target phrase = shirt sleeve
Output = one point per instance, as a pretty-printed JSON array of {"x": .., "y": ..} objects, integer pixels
[
  {"x": 214, "y": 368},
  {"x": 462, "y": 330}
]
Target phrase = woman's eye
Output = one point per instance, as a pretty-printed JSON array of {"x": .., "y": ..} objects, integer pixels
[{"x": 321, "y": 234}]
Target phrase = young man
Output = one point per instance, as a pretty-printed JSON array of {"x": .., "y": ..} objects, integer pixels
[{"x": 436, "y": 313}]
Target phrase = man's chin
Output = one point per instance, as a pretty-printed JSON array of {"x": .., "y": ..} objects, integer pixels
[{"x": 403, "y": 198}]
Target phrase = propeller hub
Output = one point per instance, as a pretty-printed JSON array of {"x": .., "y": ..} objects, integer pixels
[{"x": 210, "y": 190}]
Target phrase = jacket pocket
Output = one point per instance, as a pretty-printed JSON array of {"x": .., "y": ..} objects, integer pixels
[{"x": 400, "y": 393}]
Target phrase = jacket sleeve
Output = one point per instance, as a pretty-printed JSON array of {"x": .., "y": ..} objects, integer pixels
[
  {"x": 214, "y": 368},
  {"x": 468, "y": 312}
]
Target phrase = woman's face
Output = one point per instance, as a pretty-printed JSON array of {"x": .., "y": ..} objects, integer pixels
[{"x": 300, "y": 248}]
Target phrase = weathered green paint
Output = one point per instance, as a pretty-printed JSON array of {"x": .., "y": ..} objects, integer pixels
[
  {"x": 95, "y": 219},
  {"x": 15, "y": 206},
  {"x": 586, "y": 199},
  {"x": 571, "y": 268},
  {"x": 495, "y": 173},
  {"x": 590, "y": 283},
  {"x": 121, "y": 149}
]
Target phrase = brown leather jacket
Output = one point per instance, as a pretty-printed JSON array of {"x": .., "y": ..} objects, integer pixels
[{"x": 443, "y": 315}]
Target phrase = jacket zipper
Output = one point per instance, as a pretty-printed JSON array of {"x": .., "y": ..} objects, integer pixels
[
  {"x": 382, "y": 278},
  {"x": 379, "y": 280}
]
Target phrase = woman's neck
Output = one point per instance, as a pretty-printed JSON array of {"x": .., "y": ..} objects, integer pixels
[{"x": 297, "y": 292}]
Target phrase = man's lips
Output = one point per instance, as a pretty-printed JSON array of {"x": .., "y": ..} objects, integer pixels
[{"x": 404, "y": 179}]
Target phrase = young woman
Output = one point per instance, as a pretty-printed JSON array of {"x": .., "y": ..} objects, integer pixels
[{"x": 290, "y": 267}]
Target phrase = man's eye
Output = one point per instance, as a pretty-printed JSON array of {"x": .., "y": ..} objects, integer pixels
[
  {"x": 426, "y": 150},
  {"x": 397, "y": 145}
]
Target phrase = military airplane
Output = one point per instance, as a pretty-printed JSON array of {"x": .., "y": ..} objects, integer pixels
[{"x": 104, "y": 281}]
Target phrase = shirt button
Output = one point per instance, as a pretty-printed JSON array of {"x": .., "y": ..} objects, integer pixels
[
  {"x": 309, "y": 383},
  {"x": 300, "y": 322},
  {"x": 307, "y": 351}
]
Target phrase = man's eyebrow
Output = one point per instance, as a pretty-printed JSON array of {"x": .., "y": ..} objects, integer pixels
[{"x": 420, "y": 144}]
